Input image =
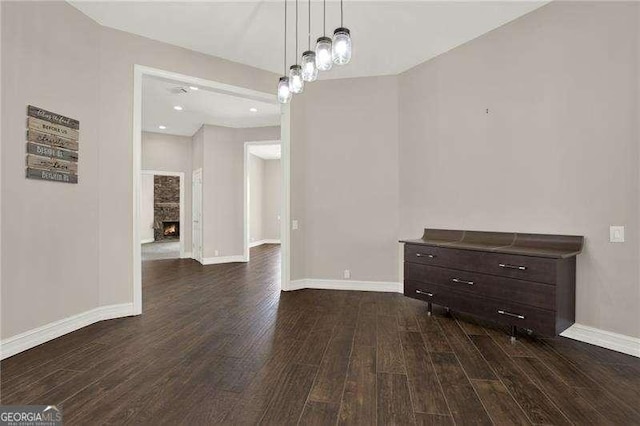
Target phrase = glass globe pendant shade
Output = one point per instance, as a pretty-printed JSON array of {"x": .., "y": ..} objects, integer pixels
[
  {"x": 341, "y": 50},
  {"x": 296, "y": 83},
  {"x": 309, "y": 70},
  {"x": 284, "y": 93},
  {"x": 324, "y": 60}
]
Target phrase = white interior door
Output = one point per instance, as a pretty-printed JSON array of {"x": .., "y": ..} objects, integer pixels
[{"x": 196, "y": 209}]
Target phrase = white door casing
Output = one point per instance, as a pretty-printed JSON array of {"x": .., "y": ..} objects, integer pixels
[{"x": 196, "y": 209}]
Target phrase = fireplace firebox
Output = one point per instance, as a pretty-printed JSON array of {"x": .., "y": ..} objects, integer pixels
[{"x": 171, "y": 229}]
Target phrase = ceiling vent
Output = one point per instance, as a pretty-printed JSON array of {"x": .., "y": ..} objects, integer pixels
[{"x": 178, "y": 90}]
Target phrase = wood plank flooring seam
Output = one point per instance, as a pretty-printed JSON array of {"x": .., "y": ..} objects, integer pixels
[
  {"x": 499, "y": 348},
  {"x": 411, "y": 396},
  {"x": 467, "y": 376},
  {"x": 441, "y": 388},
  {"x": 344, "y": 384},
  {"x": 506, "y": 387},
  {"x": 314, "y": 382}
]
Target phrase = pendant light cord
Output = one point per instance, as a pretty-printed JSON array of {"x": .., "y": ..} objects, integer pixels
[
  {"x": 296, "y": 31},
  {"x": 309, "y": 34},
  {"x": 285, "y": 37},
  {"x": 324, "y": 17},
  {"x": 341, "y": 15}
]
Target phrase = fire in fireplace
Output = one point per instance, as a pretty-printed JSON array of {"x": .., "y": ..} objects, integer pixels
[{"x": 171, "y": 229}]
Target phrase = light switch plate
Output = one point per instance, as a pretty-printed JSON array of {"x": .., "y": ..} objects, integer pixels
[
  {"x": 616, "y": 234},
  {"x": 294, "y": 224}
]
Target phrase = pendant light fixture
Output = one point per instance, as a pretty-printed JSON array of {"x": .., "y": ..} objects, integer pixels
[
  {"x": 327, "y": 52},
  {"x": 284, "y": 94},
  {"x": 309, "y": 70},
  {"x": 296, "y": 83},
  {"x": 324, "y": 61},
  {"x": 341, "y": 50}
]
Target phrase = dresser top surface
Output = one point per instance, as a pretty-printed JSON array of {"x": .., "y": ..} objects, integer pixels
[{"x": 538, "y": 245}]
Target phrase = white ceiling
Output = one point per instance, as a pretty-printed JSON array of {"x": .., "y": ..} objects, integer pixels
[
  {"x": 388, "y": 37},
  {"x": 202, "y": 106},
  {"x": 266, "y": 152}
]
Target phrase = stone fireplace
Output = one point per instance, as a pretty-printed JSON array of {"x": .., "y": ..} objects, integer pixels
[{"x": 166, "y": 207}]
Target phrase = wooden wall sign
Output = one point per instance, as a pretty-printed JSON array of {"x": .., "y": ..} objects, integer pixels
[
  {"x": 52, "y": 146},
  {"x": 48, "y": 151},
  {"x": 52, "y": 129},
  {"x": 49, "y": 175},
  {"x": 46, "y": 163},
  {"x": 42, "y": 114},
  {"x": 46, "y": 139}
]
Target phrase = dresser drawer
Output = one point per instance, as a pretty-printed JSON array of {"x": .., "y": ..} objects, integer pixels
[
  {"x": 431, "y": 255},
  {"x": 528, "y": 268},
  {"x": 483, "y": 285},
  {"x": 505, "y": 312}
]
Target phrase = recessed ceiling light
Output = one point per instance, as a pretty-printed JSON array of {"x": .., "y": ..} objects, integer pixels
[
  {"x": 253, "y": 109},
  {"x": 177, "y": 108},
  {"x": 162, "y": 127},
  {"x": 193, "y": 88}
]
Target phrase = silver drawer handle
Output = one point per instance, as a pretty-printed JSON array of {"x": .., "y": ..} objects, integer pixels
[
  {"x": 510, "y": 314},
  {"x": 425, "y": 293},
  {"x": 457, "y": 280},
  {"x": 506, "y": 265},
  {"x": 430, "y": 256}
]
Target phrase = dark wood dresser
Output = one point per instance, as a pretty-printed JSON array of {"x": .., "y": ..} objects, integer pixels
[{"x": 521, "y": 280}]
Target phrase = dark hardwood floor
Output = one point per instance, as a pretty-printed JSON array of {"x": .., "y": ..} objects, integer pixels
[{"x": 221, "y": 344}]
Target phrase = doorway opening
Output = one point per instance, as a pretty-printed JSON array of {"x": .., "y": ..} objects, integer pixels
[
  {"x": 202, "y": 240},
  {"x": 263, "y": 189}
]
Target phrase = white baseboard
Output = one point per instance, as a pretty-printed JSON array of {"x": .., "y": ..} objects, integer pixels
[
  {"x": 223, "y": 259},
  {"x": 186, "y": 255},
  {"x": 381, "y": 286},
  {"x": 261, "y": 242},
  {"x": 147, "y": 241},
  {"x": 606, "y": 339},
  {"x": 29, "y": 339}
]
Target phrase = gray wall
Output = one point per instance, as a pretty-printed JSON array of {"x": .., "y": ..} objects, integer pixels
[
  {"x": 271, "y": 200},
  {"x": 557, "y": 152},
  {"x": 256, "y": 197},
  {"x": 222, "y": 186},
  {"x": 265, "y": 187},
  {"x": 92, "y": 82},
  {"x": 170, "y": 153},
  {"x": 50, "y": 235},
  {"x": 344, "y": 181}
]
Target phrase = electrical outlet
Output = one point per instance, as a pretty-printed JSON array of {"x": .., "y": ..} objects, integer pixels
[
  {"x": 294, "y": 224},
  {"x": 347, "y": 274},
  {"x": 616, "y": 234},
  {"x": 216, "y": 253}
]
